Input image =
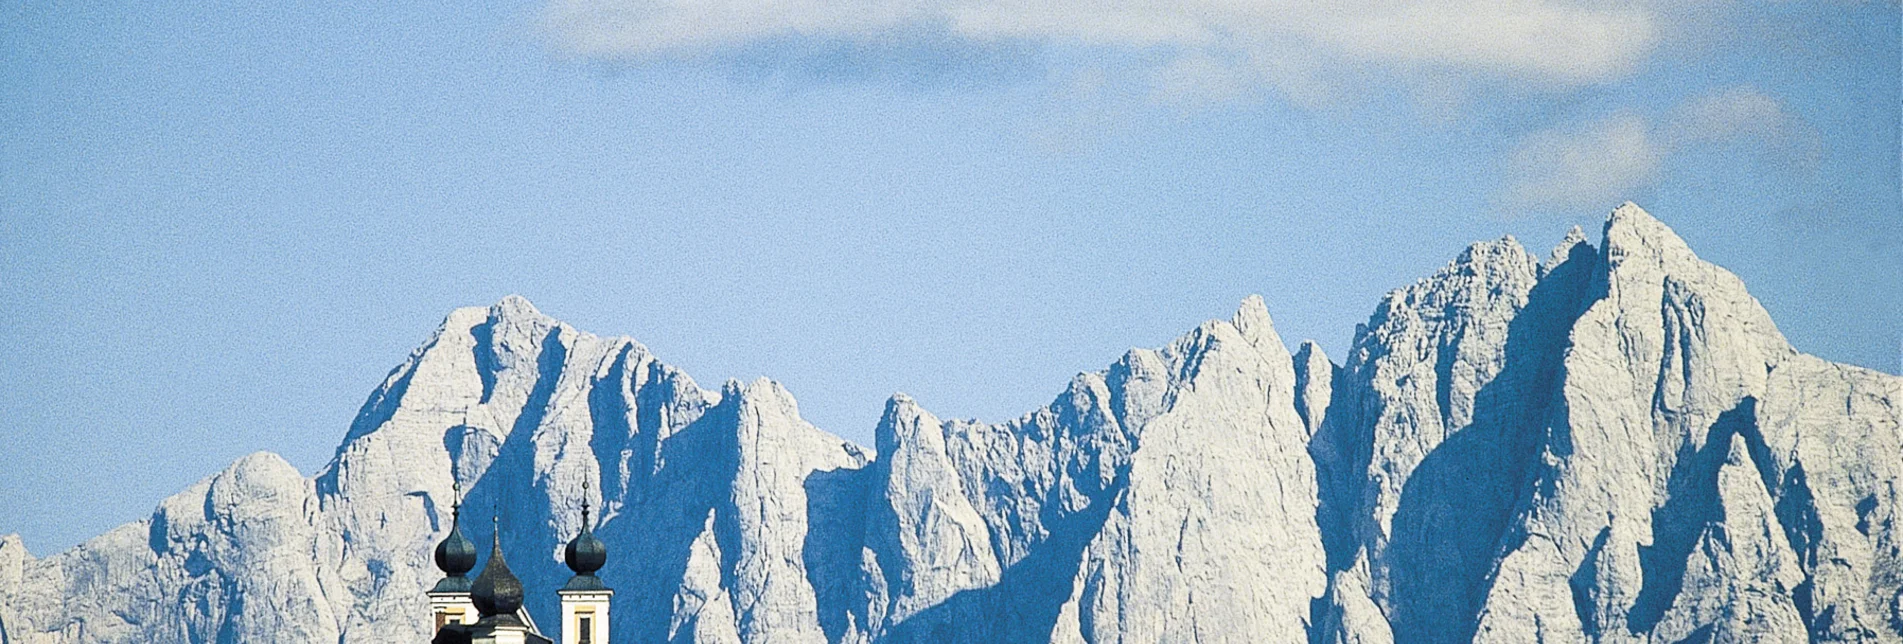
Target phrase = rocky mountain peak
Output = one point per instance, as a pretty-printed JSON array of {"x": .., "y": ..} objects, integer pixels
[
  {"x": 1613, "y": 444},
  {"x": 1574, "y": 242}
]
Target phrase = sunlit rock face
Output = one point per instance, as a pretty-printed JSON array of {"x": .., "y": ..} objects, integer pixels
[
  {"x": 1699, "y": 478},
  {"x": 1612, "y": 444},
  {"x": 1608, "y": 443},
  {"x": 1168, "y": 498}
]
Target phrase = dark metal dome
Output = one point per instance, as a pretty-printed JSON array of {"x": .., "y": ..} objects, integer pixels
[
  {"x": 496, "y": 591},
  {"x": 585, "y": 554},
  {"x": 456, "y": 555}
]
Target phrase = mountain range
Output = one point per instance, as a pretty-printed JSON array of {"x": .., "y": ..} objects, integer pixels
[{"x": 1609, "y": 443}]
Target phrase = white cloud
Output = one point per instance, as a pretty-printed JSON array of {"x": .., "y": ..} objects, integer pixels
[
  {"x": 1745, "y": 116},
  {"x": 1274, "y": 42},
  {"x": 1601, "y": 163},
  {"x": 1732, "y": 113},
  {"x": 1606, "y": 161}
]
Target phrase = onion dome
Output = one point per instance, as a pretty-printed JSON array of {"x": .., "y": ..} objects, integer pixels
[
  {"x": 496, "y": 591},
  {"x": 585, "y": 554},
  {"x": 456, "y": 555}
]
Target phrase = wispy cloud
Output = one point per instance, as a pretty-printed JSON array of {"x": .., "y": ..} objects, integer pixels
[
  {"x": 1224, "y": 46},
  {"x": 1308, "y": 53},
  {"x": 1747, "y": 116},
  {"x": 1609, "y": 160},
  {"x": 1732, "y": 113},
  {"x": 1583, "y": 165}
]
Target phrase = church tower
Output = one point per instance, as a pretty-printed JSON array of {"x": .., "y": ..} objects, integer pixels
[
  {"x": 449, "y": 601},
  {"x": 497, "y": 595},
  {"x": 489, "y": 610},
  {"x": 585, "y": 599}
]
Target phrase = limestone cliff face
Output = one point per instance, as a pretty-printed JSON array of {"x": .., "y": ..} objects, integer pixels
[
  {"x": 1638, "y": 522},
  {"x": 1168, "y": 498},
  {"x": 228, "y": 559},
  {"x": 1431, "y": 430},
  {"x": 522, "y": 411},
  {"x": 1582, "y": 476},
  {"x": 1612, "y": 443}
]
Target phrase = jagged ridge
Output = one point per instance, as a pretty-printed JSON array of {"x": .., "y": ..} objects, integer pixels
[{"x": 1611, "y": 444}]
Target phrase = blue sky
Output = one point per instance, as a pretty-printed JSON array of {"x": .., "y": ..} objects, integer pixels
[{"x": 222, "y": 224}]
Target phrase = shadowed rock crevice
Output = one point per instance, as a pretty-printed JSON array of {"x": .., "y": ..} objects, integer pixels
[
  {"x": 471, "y": 450},
  {"x": 1585, "y": 582},
  {"x": 1023, "y": 606},
  {"x": 1796, "y": 511},
  {"x": 548, "y": 371},
  {"x": 1333, "y": 450},
  {"x": 1692, "y": 504},
  {"x": 836, "y": 520},
  {"x": 1452, "y": 521},
  {"x": 1342, "y": 449},
  {"x": 659, "y": 528},
  {"x": 507, "y": 487},
  {"x": 382, "y": 403},
  {"x": 609, "y": 440},
  {"x": 487, "y": 364}
]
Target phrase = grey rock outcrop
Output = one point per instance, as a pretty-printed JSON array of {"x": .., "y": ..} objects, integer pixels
[
  {"x": 1631, "y": 529},
  {"x": 1609, "y": 444},
  {"x": 228, "y": 559},
  {"x": 1168, "y": 498}
]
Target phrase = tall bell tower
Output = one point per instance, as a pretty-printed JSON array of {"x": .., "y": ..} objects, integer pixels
[{"x": 585, "y": 600}]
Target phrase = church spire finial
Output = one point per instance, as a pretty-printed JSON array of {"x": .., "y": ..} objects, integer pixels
[
  {"x": 585, "y": 554},
  {"x": 456, "y": 555}
]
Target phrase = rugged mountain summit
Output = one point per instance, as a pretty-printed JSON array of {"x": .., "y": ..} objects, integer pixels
[
  {"x": 1639, "y": 517},
  {"x": 1609, "y": 444}
]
